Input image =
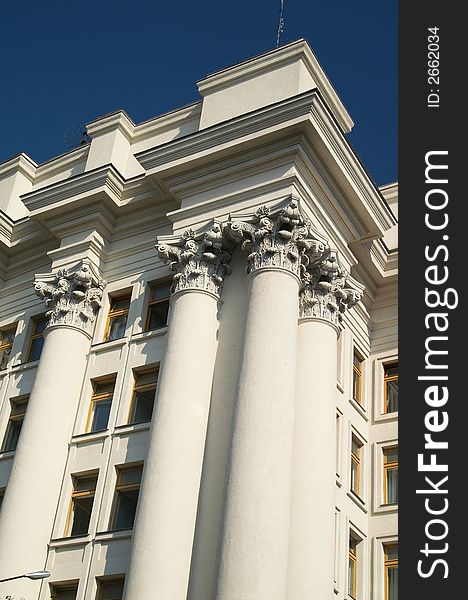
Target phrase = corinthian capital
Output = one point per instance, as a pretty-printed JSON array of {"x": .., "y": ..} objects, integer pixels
[
  {"x": 328, "y": 290},
  {"x": 72, "y": 297},
  {"x": 278, "y": 237},
  {"x": 200, "y": 260}
]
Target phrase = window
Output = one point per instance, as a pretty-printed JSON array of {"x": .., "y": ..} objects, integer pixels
[
  {"x": 352, "y": 567},
  {"x": 158, "y": 306},
  {"x": 64, "y": 591},
  {"x": 143, "y": 396},
  {"x": 101, "y": 402},
  {"x": 391, "y": 388},
  {"x": 81, "y": 506},
  {"x": 356, "y": 447},
  {"x": 390, "y": 475},
  {"x": 117, "y": 320},
  {"x": 110, "y": 589},
  {"x": 357, "y": 378},
  {"x": 37, "y": 338},
  {"x": 126, "y": 497},
  {"x": 15, "y": 423},
  {"x": 7, "y": 337},
  {"x": 2, "y": 495},
  {"x": 391, "y": 571}
]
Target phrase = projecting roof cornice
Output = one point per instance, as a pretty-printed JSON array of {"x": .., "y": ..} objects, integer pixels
[
  {"x": 21, "y": 232},
  {"x": 103, "y": 184},
  {"x": 306, "y": 113}
]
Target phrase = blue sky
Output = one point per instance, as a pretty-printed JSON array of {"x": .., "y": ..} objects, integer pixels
[{"x": 64, "y": 63}]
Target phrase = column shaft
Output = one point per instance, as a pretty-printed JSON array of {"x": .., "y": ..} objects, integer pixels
[
  {"x": 167, "y": 507},
  {"x": 254, "y": 546},
  {"x": 30, "y": 502},
  {"x": 312, "y": 535}
]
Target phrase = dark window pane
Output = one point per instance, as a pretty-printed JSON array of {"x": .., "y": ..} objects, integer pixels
[
  {"x": 4, "y": 357},
  {"x": 82, "y": 508},
  {"x": 147, "y": 377},
  {"x": 120, "y": 304},
  {"x": 392, "y": 486},
  {"x": 392, "y": 583},
  {"x": 36, "y": 349},
  {"x": 40, "y": 325},
  {"x": 158, "y": 315},
  {"x": 111, "y": 590},
  {"x": 143, "y": 406},
  {"x": 12, "y": 435},
  {"x": 158, "y": 292},
  {"x": 63, "y": 593},
  {"x": 392, "y": 396},
  {"x": 85, "y": 484},
  {"x": 117, "y": 326},
  {"x": 101, "y": 415},
  {"x": 131, "y": 475},
  {"x": 125, "y": 509},
  {"x": 104, "y": 387}
]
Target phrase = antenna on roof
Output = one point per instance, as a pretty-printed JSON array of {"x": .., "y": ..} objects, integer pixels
[
  {"x": 280, "y": 23},
  {"x": 74, "y": 138}
]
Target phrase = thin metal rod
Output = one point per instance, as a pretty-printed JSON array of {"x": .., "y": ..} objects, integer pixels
[{"x": 280, "y": 23}]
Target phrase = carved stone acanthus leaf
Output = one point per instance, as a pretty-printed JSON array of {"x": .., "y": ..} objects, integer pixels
[
  {"x": 200, "y": 260},
  {"x": 72, "y": 297},
  {"x": 328, "y": 290},
  {"x": 280, "y": 237}
]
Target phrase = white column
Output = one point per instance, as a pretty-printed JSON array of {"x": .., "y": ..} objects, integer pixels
[
  {"x": 325, "y": 294},
  {"x": 254, "y": 546},
  {"x": 30, "y": 503},
  {"x": 167, "y": 507}
]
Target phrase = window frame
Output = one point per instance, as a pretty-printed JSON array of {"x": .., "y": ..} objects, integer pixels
[
  {"x": 358, "y": 371},
  {"x": 91, "y": 493},
  {"x": 5, "y": 346},
  {"x": 152, "y": 303},
  {"x": 352, "y": 557},
  {"x": 56, "y": 588},
  {"x": 96, "y": 397},
  {"x": 34, "y": 336},
  {"x": 117, "y": 297},
  {"x": 389, "y": 378},
  {"x": 101, "y": 583},
  {"x": 13, "y": 401},
  {"x": 357, "y": 460},
  {"x": 142, "y": 387},
  {"x": 388, "y": 466},
  {"x": 124, "y": 487},
  {"x": 388, "y": 564}
]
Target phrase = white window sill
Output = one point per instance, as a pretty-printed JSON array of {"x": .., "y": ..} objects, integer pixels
[
  {"x": 358, "y": 501},
  {"x": 105, "y": 346},
  {"x": 132, "y": 427},
  {"x": 360, "y": 409}
]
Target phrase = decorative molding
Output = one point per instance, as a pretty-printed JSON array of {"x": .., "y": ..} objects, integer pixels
[
  {"x": 328, "y": 290},
  {"x": 279, "y": 237},
  {"x": 200, "y": 260},
  {"x": 72, "y": 297}
]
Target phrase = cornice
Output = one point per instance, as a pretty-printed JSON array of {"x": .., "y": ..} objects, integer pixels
[
  {"x": 60, "y": 163},
  {"x": 273, "y": 59},
  {"x": 306, "y": 112},
  {"x": 153, "y": 127},
  {"x": 62, "y": 196},
  {"x": 20, "y": 163},
  {"x": 218, "y": 137},
  {"x": 118, "y": 119},
  {"x": 363, "y": 188}
]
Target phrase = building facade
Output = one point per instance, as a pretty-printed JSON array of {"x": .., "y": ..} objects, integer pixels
[{"x": 198, "y": 353}]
